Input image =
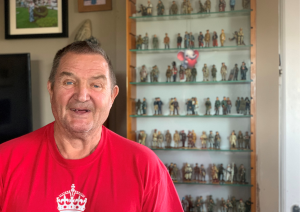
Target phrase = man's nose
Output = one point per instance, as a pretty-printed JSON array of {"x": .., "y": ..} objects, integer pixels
[{"x": 82, "y": 93}]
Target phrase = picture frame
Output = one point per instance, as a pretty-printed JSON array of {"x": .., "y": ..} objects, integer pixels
[
  {"x": 94, "y": 5},
  {"x": 38, "y": 20}
]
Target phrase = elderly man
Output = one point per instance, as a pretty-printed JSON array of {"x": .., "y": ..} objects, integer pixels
[{"x": 76, "y": 157}]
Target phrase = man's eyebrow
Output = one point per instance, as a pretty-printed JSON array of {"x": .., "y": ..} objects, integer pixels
[
  {"x": 99, "y": 77},
  {"x": 64, "y": 73}
]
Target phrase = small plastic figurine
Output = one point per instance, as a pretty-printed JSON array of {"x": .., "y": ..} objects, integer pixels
[
  {"x": 215, "y": 39},
  {"x": 217, "y": 106},
  {"x": 143, "y": 74},
  {"x": 192, "y": 40},
  {"x": 174, "y": 172},
  {"x": 191, "y": 202},
  {"x": 221, "y": 173},
  {"x": 181, "y": 73},
  {"x": 176, "y": 106},
  {"x": 244, "y": 70},
  {"x": 242, "y": 106},
  {"x": 184, "y": 7},
  {"x": 222, "y": 37},
  {"x": 202, "y": 173},
  {"x": 211, "y": 204},
  {"x": 199, "y": 204},
  {"x": 155, "y": 106},
  {"x": 242, "y": 173},
  {"x": 185, "y": 204},
  {"x": 237, "y": 105},
  {"x": 217, "y": 140},
  {"x": 202, "y": 7},
  {"x": 173, "y": 8},
  {"x": 174, "y": 71},
  {"x": 190, "y": 107},
  {"x": 155, "y": 42},
  {"x": 231, "y": 75},
  {"x": 179, "y": 41},
  {"x": 139, "y": 42},
  {"x": 246, "y": 4},
  {"x": 194, "y": 74},
  {"x": 186, "y": 40},
  {"x": 154, "y": 139},
  {"x": 142, "y": 137},
  {"x": 203, "y": 139},
  {"x": 248, "y": 205},
  {"x": 160, "y": 139},
  {"x": 207, "y": 38},
  {"x": 247, "y": 140},
  {"x": 138, "y": 107},
  {"x": 205, "y": 71},
  {"x": 176, "y": 138},
  {"x": 229, "y": 105},
  {"x": 170, "y": 168},
  {"x": 223, "y": 205},
  {"x": 189, "y": 7},
  {"x": 214, "y": 174},
  {"x": 154, "y": 74},
  {"x": 224, "y": 105},
  {"x": 210, "y": 140},
  {"x": 195, "y": 103},
  {"x": 236, "y": 72},
  {"x": 235, "y": 172},
  {"x": 144, "y": 106},
  {"x": 168, "y": 138},
  {"x": 194, "y": 139},
  {"x": 241, "y": 37},
  {"x": 234, "y": 204},
  {"x": 235, "y": 37},
  {"x": 149, "y": 8},
  {"x": 201, "y": 39},
  {"x": 207, "y": 106},
  {"x": 169, "y": 74},
  {"x": 188, "y": 172},
  {"x": 247, "y": 100},
  {"x": 167, "y": 41},
  {"x": 214, "y": 73},
  {"x": 232, "y": 139},
  {"x": 228, "y": 174},
  {"x": 197, "y": 172},
  {"x": 146, "y": 41},
  {"x": 159, "y": 103},
  {"x": 223, "y": 72},
  {"x": 222, "y": 5},
  {"x": 242, "y": 207},
  {"x": 240, "y": 139},
  {"x": 182, "y": 138},
  {"x": 160, "y": 8},
  {"x": 190, "y": 139},
  {"x": 232, "y": 5},
  {"x": 171, "y": 106},
  {"x": 143, "y": 10},
  {"x": 208, "y": 5},
  {"x": 228, "y": 205},
  {"x": 188, "y": 75}
]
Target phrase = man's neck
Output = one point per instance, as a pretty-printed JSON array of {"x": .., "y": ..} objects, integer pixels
[{"x": 76, "y": 146}]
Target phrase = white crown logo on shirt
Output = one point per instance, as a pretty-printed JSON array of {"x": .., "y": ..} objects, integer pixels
[{"x": 70, "y": 201}]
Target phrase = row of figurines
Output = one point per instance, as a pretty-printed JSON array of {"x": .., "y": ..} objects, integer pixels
[
  {"x": 187, "y": 8},
  {"x": 189, "y": 40},
  {"x": 219, "y": 175},
  {"x": 188, "y": 204},
  {"x": 242, "y": 106},
  {"x": 211, "y": 141},
  {"x": 189, "y": 75}
]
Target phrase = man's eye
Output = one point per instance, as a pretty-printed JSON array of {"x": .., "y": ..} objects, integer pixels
[
  {"x": 96, "y": 86},
  {"x": 69, "y": 83}
]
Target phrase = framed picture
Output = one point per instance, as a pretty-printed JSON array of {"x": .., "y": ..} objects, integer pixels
[
  {"x": 36, "y": 19},
  {"x": 94, "y": 5}
]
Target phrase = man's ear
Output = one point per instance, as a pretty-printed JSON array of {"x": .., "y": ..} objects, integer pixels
[
  {"x": 114, "y": 94},
  {"x": 49, "y": 88}
]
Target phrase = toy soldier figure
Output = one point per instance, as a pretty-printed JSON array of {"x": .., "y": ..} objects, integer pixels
[
  {"x": 228, "y": 174},
  {"x": 232, "y": 139},
  {"x": 241, "y": 37},
  {"x": 183, "y": 137},
  {"x": 142, "y": 137},
  {"x": 167, "y": 41},
  {"x": 198, "y": 205},
  {"x": 247, "y": 140},
  {"x": 207, "y": 38},
  {"x": 168, "y": 138},
  {"x": 194, "y": 139},
  {"x": 155, "y": 106},
  {"x": 242, "y": 173},
  {"x": 224, "y": 106},
  {"x": 191, "y": 203},
  {"x": 240, "y": 139},
  {"x": 171, "y": 106},
  {"x": 189, "y": 7},
  {"x": 143, "y": 10},
  {"x": 155, "y": 42},
  {"x": 211, "y": 204},
  {"x": 203, "y": 139},
  {"x": 174, "y": 71},
  {"x": 184, "y": 7},
  {"x": 181, "y": 73},
  {"x": 246, "y": 4},
  {"x": 247, "y": 100},
  {"x": 248, "y": 205},
  {"x": 215, "y": 39},
  {"x": 197, "y": 172},
  {"x": 176, "y": 138},
  {"x": 170, "y": 168},
  {"x": 139, "y": 42},
  {"x": 143, "y": 74},
  {"x": 160, "y": 8},
  {"x": 242, "y": 207},
  {"x": 185, "y": 204},
  {"x": 154, "y": 139},
  {"x": 235, "y": 172},
  {"x": 217, "y": 106},
  {"x": 146, "y": 41},
  {"x": 169, "y": 74},
  {"x": 174, "y": 172},
  {"x": 214, "y": 73},
  {"x": 200, "y": 40},
  {"x": 244, "y": 70},
  {"x": 176, "y": 106},
  {"x": 138, "y": 106},
  {"x": 149, "y": 8},
  {"x": 234, "y": 204},
  {"x": 242, "y": 106},
  {"x": 208, "y": 106},
  {"x": 231, "y": 75},
  {"x": 217, "y": 140},
  {"x": 186, "y": 40},
  {"x": 205, "y": 71},
  {"x": 195, "y": 102},
  {"x": 179, "y": 41},
  {"x": 192, "y": 40},
  {"x": 236, "y": 72},
  {"x": 228, "y": 205},
  {"x": 232, "y": 5},
  {"x": 229, "y": 105},
  {"x": 208, "y": 5},
  {"x": 160, "y": 139},
  {"x": 159, "y": 103},
  {"x": 221, "y": 173},
  {"x": 211, "y": 140},
  {"x": 223, "y": 72},
  {"x": 188, "y": 74},
  {"x": 188, "y": 172},
  {"x": 174, "y": 8},
  {"x": 154, "y": 74},
  {"x": 237, "y": 105},
  {"x": 222, "y": 5},
  {"x": 202, "y": 8},
  {"x": 194, "y": 74},
  {"x": 190, "y": 139},
  {"x": 189, "y": 106},
  {"x": 144, "y": 105},
  {"x": 222, "y": 37},
  {"x": 202, "y": 174},
  {"x": 223, "y": 205}
]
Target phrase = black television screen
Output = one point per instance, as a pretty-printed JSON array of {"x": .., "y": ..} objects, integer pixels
[{"x": 15, "y": 96}]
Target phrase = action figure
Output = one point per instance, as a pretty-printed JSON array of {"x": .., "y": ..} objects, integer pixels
[
  {"x": 149, "y": 8},
  {"x": 214, "y": 73},
  {"x": 171, "y": 106},
  {"x": 242, "y": 207},
  {"x": 169, "y": 74},
  {"x": 159, "y": 103},
  {"x": 139, "y": 42},
  {"x": 214, "y": 174},
  {"x": 247, "y": 100},
  {"x": 235, "y": 37},
  {"x": 202, "y": 7},
  {"x": 186, "y": 40},
  {"x": 182, "y": 137},
  {"x": 240, "y": 139},
  {"x": 228, "y": 177},
  {"x": 242, "y": 173},
  {"x": 223, "y": 205},
  {"x": 241, "y": 37},
  {"x": 237, "y": 105},
  {"x": 167, "y": 41},
  {"x": 246, "y": 4},
  {"x": 236, "y": 72},
  {"x": 143, "y": 10},
  {"x": 173, "y": 8},
  {"x": 228, "y": 205},
  {"x": 205, "y": 71},
  {"x": 181, "y": 73},
  {"x": 143, "y": 74},
  {"x": 138, "y": 107},
  {"x": 189, "y": 7},
  {"x": 222, "y": 5},
  {"x": 248, "y": 205},
  {"x": 195, "y": 103},
  {"x": 194, "y": 138},
  {"x": 160, "y": 139},
  {"x": 208, "y": 106},
  {"x": 194, "y": 74},
  {"x": 210, "y": 140},
  {"x": 232, "y": 139},
  {"x": 197, "y": 172},
  {"x": 188, "y": 172},
  {"x": 217, "y": 106},
  {"x": 155, "y": 42},
  {"x": 200, "y": 40},
  {"x": 185, "y": 204},
  {"x": 242, "y": 106},
  {"x": 199, "y": 204},
  {"x": 217, "y": 140},
  {"x": 207, "y": 38},
  {"x": 192, "y": 40},
  {"x": 231, "y": 75},
  {"x": 155, "y": 103},
  {"x": 170, "y": 168},
  {"x": 174, "y": 71},
  {"x": 179, "y": 41},
  {"x": 176, "y": 106},
  {"x": 223, "y": 72},
  {"x": 208, "y": 5},
  {"x": 154, "y": 74},
  {"x": 184, "y": 7},
  {"x": 154, "y": 139},
  {"x": 146, "y": 41},
  {"x": 188, "y": 75},
  {"x": 174, "y": 173},
  {"x": 232, "y": 5},
  {"x": 142, "y": 137},
  {"x": 176, "y": 138},
  {"x": 202, "y": 173},
  {"x": 144, "y": 105},
  {"x": 203, "y": 139},
  {"x": 160, "y": 8},
  {"x": 235, "y": 172},
  {"x": 215, "y": 39},
  {"x": 244, "y": 70},
  {"x": 190, "y": 139},
  {"x": 234, "y": 204},
  {"x": 221, "y": 173},
  {"x": 168, "y": 138},
  {"x": 222, "y": 37},
  {"x": 224, "y": 106},
  {"x": 190, "y": 108},
  {"x": 247, "y": 140},
  {"x": 229, "y": 105}
]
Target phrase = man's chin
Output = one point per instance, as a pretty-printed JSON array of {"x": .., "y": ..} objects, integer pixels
[{"x": 79, "y": 127}]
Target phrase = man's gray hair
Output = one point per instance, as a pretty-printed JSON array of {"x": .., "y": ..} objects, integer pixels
[{"x": 81, "y": 47}]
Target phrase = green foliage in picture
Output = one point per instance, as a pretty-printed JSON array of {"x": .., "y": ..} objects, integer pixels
[
  {"x": 47, "y": 22},
  {"x": 40, "y": 12}
]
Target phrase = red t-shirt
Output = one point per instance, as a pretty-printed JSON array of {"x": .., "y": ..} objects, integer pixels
[{"x": 120, "y": 175}]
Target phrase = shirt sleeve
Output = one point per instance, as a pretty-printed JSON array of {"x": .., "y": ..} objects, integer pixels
[{"x": 162, "y": 197}]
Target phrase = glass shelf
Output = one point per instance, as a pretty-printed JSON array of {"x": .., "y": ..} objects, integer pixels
[
  {"x": 191, "y": 116},
  {"x": 214, "y": 184},
  {"x": 192, "y": 16},
  {"x": 218, "y": 48},
  {"x": 198, "y": 83},
  {"x": 198, "y": 149}
]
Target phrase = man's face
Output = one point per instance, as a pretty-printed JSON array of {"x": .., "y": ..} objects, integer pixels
[{"x": 82, "y": 96}]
